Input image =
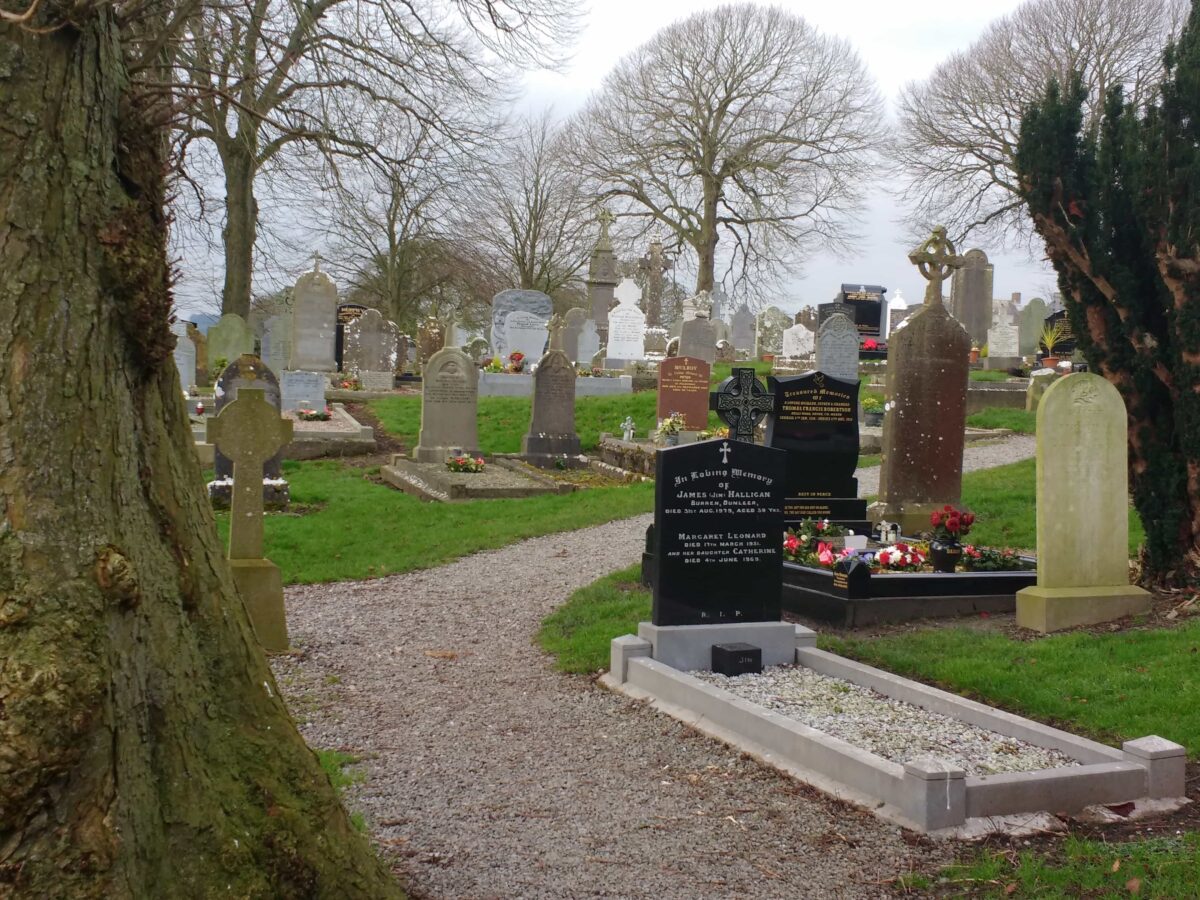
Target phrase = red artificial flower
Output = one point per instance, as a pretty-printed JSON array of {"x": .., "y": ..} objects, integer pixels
[
  {"x": 791, "y": 543},
  {"x": 948, "y": 508},
  {"x": 884, "y": 557},
  {"x": 870, "y": 344},
  {"x": 953, "y": 524},
  {"x": 903, "y": 548},
  {"x": 935, "y": 518},
  {"x": 820, "y": 525},
  {"x": 968, "y": 519}
]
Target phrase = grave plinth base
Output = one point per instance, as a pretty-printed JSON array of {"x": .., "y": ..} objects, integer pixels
[
  {"x": 689, "y": 647},
  {"x": 1053, "y": 609},
  {"x": 911, "y": 516},
  {"x": 546, "y": 451},
  {"x": 261, "y": 587},
  {"x": 440, "y": 454}
]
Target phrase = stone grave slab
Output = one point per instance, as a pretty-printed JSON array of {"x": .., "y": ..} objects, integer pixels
[{"x": 798, "y": 341}]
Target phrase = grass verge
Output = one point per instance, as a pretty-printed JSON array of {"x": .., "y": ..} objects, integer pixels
[
  {"x": 579, "y": 632},
  {"x": 336, "y": 765},
  {"x": 1018, "y": 420},
  {"x": 357, "y": 528}
]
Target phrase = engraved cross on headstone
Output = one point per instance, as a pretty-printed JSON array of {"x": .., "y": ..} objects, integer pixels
[
  {"x": 935, "y": 259},
  {"x": 741, "y": 403},
  {"x": 249, "y": 431}
]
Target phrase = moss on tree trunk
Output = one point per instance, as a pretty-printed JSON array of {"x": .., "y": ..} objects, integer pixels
[{"x": 144, "y": 747}]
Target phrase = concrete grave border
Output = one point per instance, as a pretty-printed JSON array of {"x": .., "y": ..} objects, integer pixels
[{"x": 926, "y": 795}]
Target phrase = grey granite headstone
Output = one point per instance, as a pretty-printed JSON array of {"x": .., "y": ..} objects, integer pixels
[
  {"x": 525, "y": 333},
  {"x": 302, "y": 390},
  {"x": 230, "y": 338},
  {"x": 449, "y": 402},
  {"x": 837, "y": 348},
  {"x": 698, "y": 340},
  {"x": 185, "y": 355},
  {"x": 971, "y": 295},
  {"x": 742, "y": 329},
  {"x": 572, "y": 329},
  {"x": 277, "y": 342},
  {"x": 508, "y": 302},
  {"x": 552, "y": 426},
  {"x": 314, "y": 323}
]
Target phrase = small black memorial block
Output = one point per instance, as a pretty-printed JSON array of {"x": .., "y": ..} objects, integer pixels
[
  {"x": 718, "y": 533},
  {"x": 736, "y": 659}
]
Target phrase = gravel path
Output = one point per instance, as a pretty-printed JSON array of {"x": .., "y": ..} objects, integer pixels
[
  {"x": 984, "y": 455},
  {"x": 492, "y": 775},
  {"x": 488, "y": 774}
]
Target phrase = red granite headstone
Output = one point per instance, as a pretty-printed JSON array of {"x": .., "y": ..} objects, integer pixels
[{"x": 683, "y": 387}]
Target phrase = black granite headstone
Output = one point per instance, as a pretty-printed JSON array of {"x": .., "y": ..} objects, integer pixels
[
  {"x": 1064, "y": 348},
  {"x": 816, "y": 423},
  {"x": 718, "y": 533},
  {"x": 741, "y": 403},
  {"x": 865, "y": 304}
]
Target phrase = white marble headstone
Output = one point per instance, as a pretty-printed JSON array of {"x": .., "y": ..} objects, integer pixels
[
  {"x": 526, "y": 332},
  {"x": 627, "y": 324},
  {"x": 798, "y": 341}
]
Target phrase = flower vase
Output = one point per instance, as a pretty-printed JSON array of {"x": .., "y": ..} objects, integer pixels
[{"x": 944, "y": 555}]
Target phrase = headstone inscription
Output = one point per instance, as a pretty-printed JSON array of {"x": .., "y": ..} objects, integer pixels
[
  {"x": 302, "y": 390},
  {"x": 248, "y": 372},
  {"x": 1003, "y": 340},
  {"x": 249, "y": 431},
  {"x": 837, "y": 348},
  {"x": 816, "y": 422},
  {"x": 741, "y": 403},
  {"x": 1064, "y": 347},
  {"x": 1082, "y": 509},
  {"x": 551, "y": 434},
  {"x": 185, "y": 355},
  {"x": 626, "y": 326},
  {"x": 449, "y": 400},
  {"x": 346, "y": 313},
  {"x": 314, "y": 322},
  {"x": 698, "y": 339},
  {"x": 526, "y": 333},
  {"x": 718, "y": 521},
  {"x": 923, "y": 432},
  {"x": 230, "y": 338},
  {"x": 683, "y": 386}
]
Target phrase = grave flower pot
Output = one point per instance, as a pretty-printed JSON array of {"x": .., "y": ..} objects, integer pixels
[
  {"x": 1049, "y": 362},
  {"x": 944, "y": 555},
  {"x": 974, "y": 355}
]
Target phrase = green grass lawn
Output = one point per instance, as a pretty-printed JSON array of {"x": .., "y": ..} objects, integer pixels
[
  {"x": 578, "y": 633},
  {"x": 356, "y": 528},
  {"x": 1017, "y": 420},
  {"x": 504, "y": 420},
  {"x": 1113, "y": 686},
  {"x": 721, "y": 371}
]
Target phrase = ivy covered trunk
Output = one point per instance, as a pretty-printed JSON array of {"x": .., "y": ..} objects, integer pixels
[
  {"x": 1118, "y": 207},
  {"x": 144, "y": 747}
]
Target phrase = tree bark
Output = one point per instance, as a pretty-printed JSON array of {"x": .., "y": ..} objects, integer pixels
[
  {"x": 144, "y": 747},
  {"x": 241, "y": 224}
]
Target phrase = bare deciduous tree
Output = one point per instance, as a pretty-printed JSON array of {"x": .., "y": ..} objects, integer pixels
[
  {"x": 526, "y": 207},
  {"x": 265, "y": 74},
  {"x": 959, "y": 128},
  {"x": 741, "y": 123}
]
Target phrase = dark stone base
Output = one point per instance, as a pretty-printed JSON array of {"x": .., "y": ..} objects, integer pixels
[
  {"x": 865, "y": 355},
  {"x": 550, "y": 445},
  {"x": 880, "y": 599},
  {"x": 736, "y": 658},
  {"x": 276, "y": 496}
]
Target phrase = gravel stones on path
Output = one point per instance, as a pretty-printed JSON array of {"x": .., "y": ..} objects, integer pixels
[
  {"x": 984, "y": 455},
  {"x": 489, "y": 774}
]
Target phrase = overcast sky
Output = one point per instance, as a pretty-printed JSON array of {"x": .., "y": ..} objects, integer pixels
[{"x": 900, "y": 41}]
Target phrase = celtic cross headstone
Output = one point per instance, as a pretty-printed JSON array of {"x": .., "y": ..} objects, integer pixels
[{"x": 741, "y": 402}]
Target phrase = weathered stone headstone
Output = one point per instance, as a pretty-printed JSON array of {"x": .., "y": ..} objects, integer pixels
[
  {"x": 718, "y": 518},
  {"x": 924, "y": 430},
  {"x": 602, "y": 276},
  {"x": 626, "y": 326},
  {"x": 573, "y": 323},
  {"x": 742, "y": 332},
  {"x": 449, "y": 401},
  {"x": 551, "y": 434},
  {"x": 532, "y": 310},
  {"x": 314, "y": 323},
  {"x": 1029, "y": 326},
  {"x": 249, "y": 431},
  {"x": 247, "y": 372},
  {"x": 369, "y": 348},
  {"x": 302, "y": 390},
  {"x": 698, "y": 340},
  {"x": 1004, "y": 341},
  {"x": 699, "y": 304},
  {"x": 277, "y": 342},
  {"x": 815, "y": 422},
  {"x": 837, "y": 348},
  {"x": 1082, "y": 510},
  {"x": 430, "y": 339},
  {"x": 798, "y": 341},
  {"x": 971, "y": 295},
  {"x": 726, "y": 353},
  {"x": 230, "y": 338},
  {"x": 741, "y": 403},
  {"x": 589, "y": 342},
  {"x": 1038, "y": 385},
  {"x": 185, "y": 355},
  {"x": 771, "y": 325},
  {"x": 683, "y": 387},
  {"x": 655, "y": 344},
  {"x": 346, "y": 314}
]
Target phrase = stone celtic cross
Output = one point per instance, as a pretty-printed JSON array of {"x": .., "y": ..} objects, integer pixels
[
  {"x": 555, "y": 327},
  {"x": 741, "y": 403},
  {"x": 317, "y": 257},
  {"x": 605, "y": 218},
  {"x": 249, "y": 431},
  {"x": 935, "y": 260}
]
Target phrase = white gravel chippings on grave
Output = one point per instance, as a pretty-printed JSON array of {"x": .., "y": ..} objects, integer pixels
[
  {"x": 489, "y": 774},
  {"x": 893, "y": 729}
]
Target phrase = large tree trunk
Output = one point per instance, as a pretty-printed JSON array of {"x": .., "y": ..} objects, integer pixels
[
  {"x": 706, "y": 246},
  {"x": 144, "y": 748},
  {"x": 241, "y": 224}
]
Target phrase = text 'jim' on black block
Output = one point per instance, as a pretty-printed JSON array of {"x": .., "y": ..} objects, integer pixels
[{"x": 736, "y": 659}]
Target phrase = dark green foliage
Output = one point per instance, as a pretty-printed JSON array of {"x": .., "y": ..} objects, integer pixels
[{"x": 1116, "y": 206}]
